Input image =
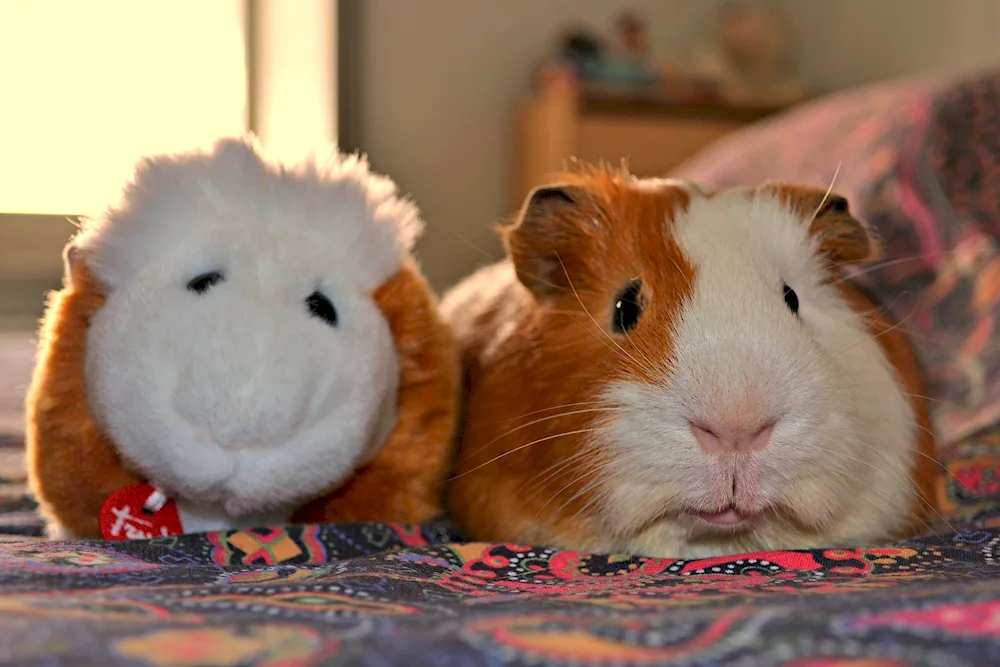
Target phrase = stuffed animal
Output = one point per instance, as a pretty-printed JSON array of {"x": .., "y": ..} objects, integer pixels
[{"x": 242, "y": 343}]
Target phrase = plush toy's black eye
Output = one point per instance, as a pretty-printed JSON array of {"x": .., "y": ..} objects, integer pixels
[
  {"x": 791, "y": 299},
  {"x": 322, "y": 307},
  {"x": 627, "y": 308},
  {"x": 201, "y": 284}
]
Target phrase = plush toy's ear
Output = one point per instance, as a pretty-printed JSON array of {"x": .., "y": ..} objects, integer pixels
[
  {"x": 74, "y": 264},
  {"x": 843, "y": 237},
  {"x": 550, "y": 229}
]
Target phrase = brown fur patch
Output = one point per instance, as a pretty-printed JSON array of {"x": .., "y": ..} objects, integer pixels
[
  {"x": 531, "y": 360},
  {"x": 405, "y": 481}
]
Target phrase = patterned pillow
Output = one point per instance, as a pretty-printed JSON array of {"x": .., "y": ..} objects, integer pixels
[{"x": 920, "y": 160}]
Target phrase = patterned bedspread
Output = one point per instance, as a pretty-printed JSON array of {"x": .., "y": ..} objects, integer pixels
[{"x": 387, "y": 595}]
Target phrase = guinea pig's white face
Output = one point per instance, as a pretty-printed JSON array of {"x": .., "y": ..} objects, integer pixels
[
  {"x": 778, "y": 421},
  {"x": 241, "y": 361}
]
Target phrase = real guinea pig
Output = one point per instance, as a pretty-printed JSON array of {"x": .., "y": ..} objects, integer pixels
[
  {"x": 664, "y": 369},
  {"x": 252, "y": 340}
]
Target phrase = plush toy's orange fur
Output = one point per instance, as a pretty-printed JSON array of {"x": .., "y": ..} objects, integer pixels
[
  {"x": 73, "y": 467},
  {"x": 405, "y": 481}
]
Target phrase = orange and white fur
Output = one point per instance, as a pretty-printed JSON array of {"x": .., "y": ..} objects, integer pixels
[
  {"x": 663, "y": 369},
  {"x": 251, "y": 338}
]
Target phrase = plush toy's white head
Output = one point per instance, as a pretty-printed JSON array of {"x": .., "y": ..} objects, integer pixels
[{"x": 240, "y": 359}]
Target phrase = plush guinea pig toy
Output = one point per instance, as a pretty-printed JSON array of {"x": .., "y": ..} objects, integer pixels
[
  {"x": 666, "y": 370},
  {"x": 242, "y": 343}
]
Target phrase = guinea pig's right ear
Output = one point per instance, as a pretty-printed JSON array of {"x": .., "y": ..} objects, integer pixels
[
  {"x": 844, "y": 238},
  {"x": 542, "y": 240}
]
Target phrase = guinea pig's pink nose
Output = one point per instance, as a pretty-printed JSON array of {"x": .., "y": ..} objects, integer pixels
[{"x": 731, "y": 437}]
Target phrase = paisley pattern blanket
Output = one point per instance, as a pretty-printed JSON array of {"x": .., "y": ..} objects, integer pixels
[{"x": 919, "y": 159}]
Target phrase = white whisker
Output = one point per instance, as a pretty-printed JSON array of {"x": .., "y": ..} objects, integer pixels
[{"x": 521, "y": 447}]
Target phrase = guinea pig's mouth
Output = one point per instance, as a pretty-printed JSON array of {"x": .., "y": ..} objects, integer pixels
[{"x": 728, "y": 519}]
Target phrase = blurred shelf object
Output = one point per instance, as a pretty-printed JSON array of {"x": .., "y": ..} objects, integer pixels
[{"x": 652, "y": 133}]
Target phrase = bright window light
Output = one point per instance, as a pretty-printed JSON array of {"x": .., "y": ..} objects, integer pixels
[
  {"x": 86, "y": 87},
  {"x": 296, "y": 75}
]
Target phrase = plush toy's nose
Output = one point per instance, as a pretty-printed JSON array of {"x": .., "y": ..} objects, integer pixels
[{"x": 249, "y": 394}]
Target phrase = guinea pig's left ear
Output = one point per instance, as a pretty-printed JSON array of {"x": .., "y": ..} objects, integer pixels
[
  {"x": 843, "y": 237},
  {"x": 547, "y": 236}
]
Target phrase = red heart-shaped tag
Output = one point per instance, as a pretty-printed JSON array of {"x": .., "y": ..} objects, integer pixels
[{"x": 123, "y": 517}]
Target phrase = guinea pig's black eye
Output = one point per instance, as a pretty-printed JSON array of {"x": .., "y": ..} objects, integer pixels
[
  {"x": 627, "y": 308},
  {"x": 320, "y": 306},
  {"x": 791, "y": 299},
  {"x": 202, "y": 283}
]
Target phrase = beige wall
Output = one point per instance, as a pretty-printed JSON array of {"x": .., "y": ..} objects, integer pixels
[
  {"x": 850, "y": 42},
  {"x": 442, "y": 78}
]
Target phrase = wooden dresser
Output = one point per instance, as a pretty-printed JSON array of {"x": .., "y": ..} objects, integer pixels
[{"x": 652, "y": 136}]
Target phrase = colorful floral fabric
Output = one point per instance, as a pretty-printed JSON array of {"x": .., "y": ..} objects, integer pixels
[
  {"x": 919, "y": 160},
  {"x": 401, "y": 595}
]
